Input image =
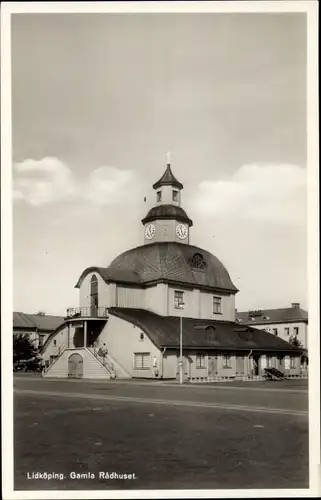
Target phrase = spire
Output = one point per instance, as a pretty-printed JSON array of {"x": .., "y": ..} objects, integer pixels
[{"x": 168, "y": 178}]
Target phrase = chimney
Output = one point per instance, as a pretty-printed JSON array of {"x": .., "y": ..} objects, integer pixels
[{"x": 296, "y": 305}]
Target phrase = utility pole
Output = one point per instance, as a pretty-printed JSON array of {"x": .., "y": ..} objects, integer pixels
[{"x": 181, "y": 306}]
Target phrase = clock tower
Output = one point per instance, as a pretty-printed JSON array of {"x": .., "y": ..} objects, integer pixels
[{"x": 167, "y": 221}]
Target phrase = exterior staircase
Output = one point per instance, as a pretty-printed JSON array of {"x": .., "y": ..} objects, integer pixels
[
  {"x": 111, "y": 364},
  {"x": 93, "y": 367}
]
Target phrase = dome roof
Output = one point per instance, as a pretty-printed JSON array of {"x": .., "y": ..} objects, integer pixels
[
  {"x": 171, "y": 262},
  {"x": 167, "y": 212}
]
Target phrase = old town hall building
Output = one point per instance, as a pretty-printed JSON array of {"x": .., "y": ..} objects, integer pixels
[{"x": 132, "y": 314}]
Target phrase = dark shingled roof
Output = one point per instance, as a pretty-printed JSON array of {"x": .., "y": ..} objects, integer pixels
[
  {"x": 166, "y": 261},
  {"x": 167, "y": 212},
  {"x": 268, "y": 316},
  {"x": 35, "y": 321},
  {"x": 168, "y": 179},
  {"x": 164, "y": 331}
]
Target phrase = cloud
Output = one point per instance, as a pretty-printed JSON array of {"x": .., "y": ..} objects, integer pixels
[
  {"x": 106, "y": 185},
  {"x": 42, "y": 181},
  {"x": 49, "y": 180},
  {"x": 269, "y": 193}
]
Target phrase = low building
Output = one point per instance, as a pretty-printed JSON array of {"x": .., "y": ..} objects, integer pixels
[
  {"x": 37, "y": 326},
  {"x": 285, "y": 323},
  {"x": 160, "y": 309}
]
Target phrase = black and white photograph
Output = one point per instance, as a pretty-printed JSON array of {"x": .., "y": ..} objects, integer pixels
[{"x": 160, "y": 306}]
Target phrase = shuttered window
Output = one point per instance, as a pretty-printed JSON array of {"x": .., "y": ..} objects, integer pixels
[{"x": 142, "y": 360}]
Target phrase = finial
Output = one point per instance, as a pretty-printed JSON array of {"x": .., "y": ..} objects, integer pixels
[{"x": 168, "y": 158}]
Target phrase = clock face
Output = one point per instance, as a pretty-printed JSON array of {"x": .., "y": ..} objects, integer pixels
[
  {"x": 181, "y": 231},
  {"x": 150, "y": 231}
]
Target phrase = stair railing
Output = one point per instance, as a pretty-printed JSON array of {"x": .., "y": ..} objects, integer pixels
[{"x": 103, "y": 360}]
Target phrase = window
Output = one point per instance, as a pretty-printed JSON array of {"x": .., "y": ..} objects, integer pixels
[
  {"x": 227, "y": 361},
  {"x": 217, "y": 305},
  {"x": 292, "y": 362},
  {"x": 200, "y": 360},
  {"x": 296, "y": 331},
  {"x": 55, "y": 342},
  {"x": 175, "y": 195},
  {"x": 94, "y": 295},
  {"x": 275, "y": 331},
  {"x": 159, "y": 196},
  {"x": 198, "y": 261},
  {"x": 287, "y": 331},
  {"x": 178, "y": 299},
  {"x": 142, "y": 360}
]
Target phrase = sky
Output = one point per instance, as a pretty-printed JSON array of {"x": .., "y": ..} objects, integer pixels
[{"x": 98, "y": 99}]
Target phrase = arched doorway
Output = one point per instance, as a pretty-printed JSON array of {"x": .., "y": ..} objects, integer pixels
[
  {"x": 75, "y": 366},
  {"x": 94, "y": 295}
]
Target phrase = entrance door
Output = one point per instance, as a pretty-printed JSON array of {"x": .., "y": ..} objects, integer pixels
[
  {"x": 94, "y": 296},
  {"x": 75, "y": 366},
  {"x": 187, "y": 367},
  {"x": 256, "y": 365},
  {"x": 263, "y": 363},
  {"x": 212, "y": 366},
  {"x": 239, "y": 365}
]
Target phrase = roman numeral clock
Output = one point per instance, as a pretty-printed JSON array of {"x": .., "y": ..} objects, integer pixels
[
  {"x": 150, "y": 231},
  {"x": 181, "y": 231}
]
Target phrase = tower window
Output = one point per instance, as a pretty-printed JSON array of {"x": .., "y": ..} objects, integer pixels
[
  {"x": 159, "y": 196},
  {"x": 287, "y": 331},
  {"x": 175, "y": 195},
  {"x": 296, "y": 331},
  {"x": 275, "y": 331},
  {"x": 178, "y": 299},
  {"x": 217, "y": 302}
]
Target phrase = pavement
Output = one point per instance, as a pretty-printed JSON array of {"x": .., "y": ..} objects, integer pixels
[
  {"x": 292, "y": 398},
  {"x": 168, "y": 436}
]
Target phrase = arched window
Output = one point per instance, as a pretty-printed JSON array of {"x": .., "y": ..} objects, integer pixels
[
  {"x": 94, "y": 295},
  {"x": 198, "y": 261}
]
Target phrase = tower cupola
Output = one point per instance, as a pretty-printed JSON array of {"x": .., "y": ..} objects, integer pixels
[
  {"x": 167, "y": 221},
  {"x": 168, "y": 188}
]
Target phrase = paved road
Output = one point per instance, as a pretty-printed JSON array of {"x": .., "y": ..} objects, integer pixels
[
  {"x": 169, "y": 436},
  {"x": 292, "y": 401}
]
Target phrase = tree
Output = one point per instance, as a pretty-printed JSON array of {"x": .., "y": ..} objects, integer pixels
[
  {"x": 23, "y": 349},
  {"x": 295, "y": 342},
  {"x": 41, "y": 313}
]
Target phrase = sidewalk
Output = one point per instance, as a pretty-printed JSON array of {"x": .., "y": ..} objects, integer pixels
[{"x": 293, "y": 385}]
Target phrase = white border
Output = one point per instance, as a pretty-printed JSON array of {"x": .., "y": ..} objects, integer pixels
[{"x": 311, "y": 9}]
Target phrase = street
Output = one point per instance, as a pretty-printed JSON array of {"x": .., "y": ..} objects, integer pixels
[{"x": 162, "y": 435}]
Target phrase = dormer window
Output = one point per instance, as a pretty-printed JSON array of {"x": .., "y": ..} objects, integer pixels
[
  {"x": 198, "y": 261},
  {"x": 175, "y": 195},
  {"x": 159, "y": 196}
]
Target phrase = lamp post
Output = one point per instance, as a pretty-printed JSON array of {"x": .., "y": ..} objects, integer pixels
[{"x": 181, "y": 307}]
